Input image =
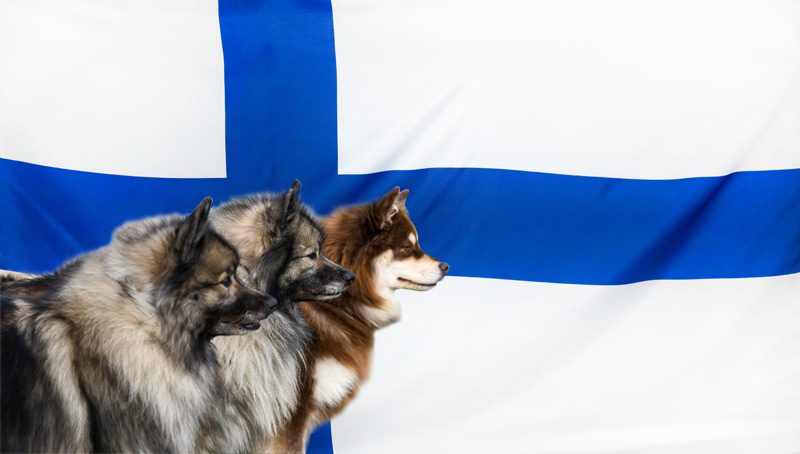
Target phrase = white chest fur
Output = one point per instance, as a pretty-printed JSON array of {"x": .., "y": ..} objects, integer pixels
[{"x": 332, "y": 381}]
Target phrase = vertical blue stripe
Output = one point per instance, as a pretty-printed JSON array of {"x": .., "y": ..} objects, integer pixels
[{"x": 280, "y": 104}]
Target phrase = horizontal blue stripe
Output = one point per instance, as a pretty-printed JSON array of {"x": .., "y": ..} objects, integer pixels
[
  {"x": 583, "y": 230},
  {"x": 485, "y": 223}
]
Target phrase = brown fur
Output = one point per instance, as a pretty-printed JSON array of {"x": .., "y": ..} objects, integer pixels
[{"x": 356, "y": 238}]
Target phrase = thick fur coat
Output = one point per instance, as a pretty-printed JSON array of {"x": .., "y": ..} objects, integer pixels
[
  {"x": 113, "y": 352},
  {"x": 280, "y": 244}
]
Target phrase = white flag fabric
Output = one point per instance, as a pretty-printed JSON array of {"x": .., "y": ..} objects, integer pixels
[
  {"x": 131, "y": 88},
  {"x": 615, "y": 185}
]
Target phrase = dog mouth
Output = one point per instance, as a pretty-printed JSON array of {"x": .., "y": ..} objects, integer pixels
[
  {"x": 326, "y": 297},
  {"x": 248, "y": 321},
  {"x": 322, "y": 293},
  {"x": 321, "y": 296},
  {"x": 238, "y": 322},
  {"x": 417, "y": 284}
]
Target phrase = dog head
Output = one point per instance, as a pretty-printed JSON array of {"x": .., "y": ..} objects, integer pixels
[
  {"x": 380, "y": 243},
  {"x": 281, "y": 245},
  {"x": 403, "y": 264},
  {"x": 188, "y": 271}
]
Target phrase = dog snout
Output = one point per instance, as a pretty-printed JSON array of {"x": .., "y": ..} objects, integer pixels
[
  {"x": 270, "y": 302},
  {"x": 264, "y": 306},
  {"x": 444, "y": 267},
  {"x": 263, "y": 299},
  {"x": 349, "y": 276}
]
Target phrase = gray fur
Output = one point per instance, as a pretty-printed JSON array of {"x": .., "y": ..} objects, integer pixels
[
  {"x": 113, "y": 354},
  {"x": 275, "y": 235}
]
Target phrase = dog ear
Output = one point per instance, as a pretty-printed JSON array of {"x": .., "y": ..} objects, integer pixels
[
  {"x": 291, "y": 202},
  {"x": 400, "y": 201},
  {"x": 191, "y": 231},
  {"x": 389, "y": 205}
]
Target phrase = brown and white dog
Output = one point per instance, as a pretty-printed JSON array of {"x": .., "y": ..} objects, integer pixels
[{"x": 379, "y": 243}]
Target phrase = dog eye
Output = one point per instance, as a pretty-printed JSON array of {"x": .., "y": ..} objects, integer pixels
[
  {"x": 226, "y": 282},
  {"x": 312, "y": 255}
]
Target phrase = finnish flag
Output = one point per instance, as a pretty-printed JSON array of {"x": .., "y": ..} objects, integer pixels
[{"x": 616, "y": 186}]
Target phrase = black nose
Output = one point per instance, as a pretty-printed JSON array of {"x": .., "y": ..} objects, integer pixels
[
  {"x": 349, "y": 277},
  {"x": 271, "y": 302},
  {"x": 444, "y": 267}
]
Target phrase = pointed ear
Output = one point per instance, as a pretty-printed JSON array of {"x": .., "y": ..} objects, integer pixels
[
  {"x": 400, "y": 201},
  {"x": 191, "y": 231},
  {"x": 389, "y": 205},
  {"x": 291, "y": 202}
]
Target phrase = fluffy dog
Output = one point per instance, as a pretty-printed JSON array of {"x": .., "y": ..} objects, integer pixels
[
  {"x": 280, "y": 245},
  {"x": 112, "y": 353}
]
